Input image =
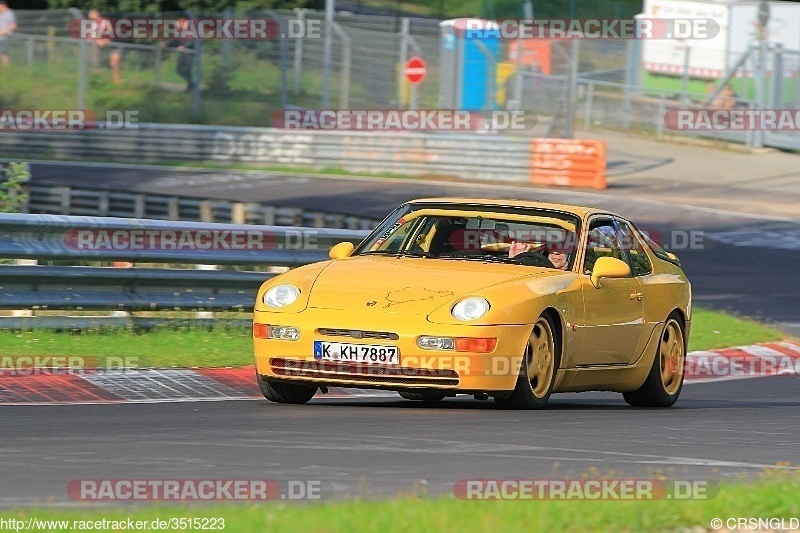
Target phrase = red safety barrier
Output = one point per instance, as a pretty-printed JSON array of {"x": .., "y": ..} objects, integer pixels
[{"x": 568, "y": 162}]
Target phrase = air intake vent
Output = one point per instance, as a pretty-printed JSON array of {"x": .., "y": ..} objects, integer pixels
[{"x": 358, "y": 334}]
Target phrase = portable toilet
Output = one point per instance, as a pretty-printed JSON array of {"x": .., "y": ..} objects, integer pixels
[{"x": 468, "y": 64}]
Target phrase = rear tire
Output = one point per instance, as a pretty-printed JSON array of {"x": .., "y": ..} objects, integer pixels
[
  {"x": 538, "y": 370},
  {"x": 428, "y": 397},
  {"x": 279, "y": 392},
  {"x": 665, "y": 380}
]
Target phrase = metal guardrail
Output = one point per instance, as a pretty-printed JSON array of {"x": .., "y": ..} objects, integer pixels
[
  {"x": 482, "y": 157},
  {"x": 53, "y": 237},
  {"x": 61, "y": 200},
  {"x": 127, "y": 289}
]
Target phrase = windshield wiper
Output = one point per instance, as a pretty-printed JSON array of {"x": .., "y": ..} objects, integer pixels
[
  {"x": 398, "y": 253},
  {"x": 380, "y": 252},
  {"x": 426, "y": 255},
  {"x": 484, "y": 257}
]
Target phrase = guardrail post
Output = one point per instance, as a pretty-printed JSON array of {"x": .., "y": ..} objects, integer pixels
[
  {"x": 173, "y": 208},
  {"x": 206, "y": 211},
  {"x": 102, "y": 204},
  {"x": 336, "y": 221},
  {"x": 238, "y": 213},
  {"x": 139, "y": 205},
  {"x": 269, "y": 215},
  {"x": 65, "y": 200}
]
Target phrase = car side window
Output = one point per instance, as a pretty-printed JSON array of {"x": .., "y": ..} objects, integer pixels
[
  {"x": 603, "y": 241},
  {"x": 640, "y": 263}
]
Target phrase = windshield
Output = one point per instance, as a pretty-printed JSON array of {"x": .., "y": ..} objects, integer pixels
[{"x": 523, "y": 236}]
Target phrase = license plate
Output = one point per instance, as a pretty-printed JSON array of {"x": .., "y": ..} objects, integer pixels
[{"x": 356, "y": 353}]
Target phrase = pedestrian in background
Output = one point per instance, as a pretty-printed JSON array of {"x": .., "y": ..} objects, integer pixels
[
  {"x": 8, "y": 24},
  {"x": 116, "y": 51},
  {"x": 185, "y": 48}
]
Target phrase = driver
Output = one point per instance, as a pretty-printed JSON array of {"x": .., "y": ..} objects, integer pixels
[{"x": 558, "y": 256}]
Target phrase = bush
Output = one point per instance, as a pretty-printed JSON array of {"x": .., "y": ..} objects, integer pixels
[{"x": 13, "y": 196}]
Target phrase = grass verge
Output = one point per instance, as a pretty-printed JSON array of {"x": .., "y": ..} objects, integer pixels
[
  {"x": 186, "y": 347},
  {"x": 773, "y": 495},
  {"x": 712, "y": 329}
]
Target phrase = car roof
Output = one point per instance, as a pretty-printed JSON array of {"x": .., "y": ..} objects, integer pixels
[{"x": 581, "y": 211}]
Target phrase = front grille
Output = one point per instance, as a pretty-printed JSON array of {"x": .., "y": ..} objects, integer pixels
[
  {"x": 354, "y": 372},
  {"x": 358, "y": 334}
]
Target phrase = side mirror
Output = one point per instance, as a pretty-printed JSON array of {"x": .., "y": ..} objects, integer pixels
[
  {"x": 674, "y": 258},
  {"x": 609, "y": 267},
  {"x": 341, "y": 250}
]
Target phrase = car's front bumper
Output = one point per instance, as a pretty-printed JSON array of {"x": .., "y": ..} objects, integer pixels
[{"x": 293, "y": 361}]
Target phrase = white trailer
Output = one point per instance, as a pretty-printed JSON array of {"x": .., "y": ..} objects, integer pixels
[{"x": 738, "y": 30}]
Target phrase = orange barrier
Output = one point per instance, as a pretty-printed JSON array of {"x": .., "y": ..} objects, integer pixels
[{"x": 568, "y": 162}]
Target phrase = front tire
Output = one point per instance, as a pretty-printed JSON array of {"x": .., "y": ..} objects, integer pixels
[
  {"x": 665, "y": 380},
  {"x": 538, "y": 371},
  {"x": 279, "y": 392}
]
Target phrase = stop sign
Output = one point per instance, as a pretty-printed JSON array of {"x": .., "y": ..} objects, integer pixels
[{"x": 415, "y": 70}]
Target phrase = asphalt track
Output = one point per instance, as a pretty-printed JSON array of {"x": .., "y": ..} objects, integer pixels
[{"x": 379, "y": 447}]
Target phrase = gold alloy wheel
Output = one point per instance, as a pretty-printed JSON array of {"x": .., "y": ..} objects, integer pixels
[
  {"x": 671, "y": 353},
  {"x": 540, "y": 357}
]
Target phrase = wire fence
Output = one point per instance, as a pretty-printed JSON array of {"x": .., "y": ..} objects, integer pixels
[
  {"x": 594, "y": 83},
  {"x": 243, "y": 81}
]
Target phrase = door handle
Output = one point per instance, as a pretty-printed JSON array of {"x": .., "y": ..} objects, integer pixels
[{"x": 636, "y": 296}]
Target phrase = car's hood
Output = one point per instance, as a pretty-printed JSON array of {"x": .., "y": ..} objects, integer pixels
[{"x": 407, "y": 285}]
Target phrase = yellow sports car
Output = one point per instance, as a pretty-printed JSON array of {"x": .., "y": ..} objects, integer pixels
[{"x": 494, "y": 298}]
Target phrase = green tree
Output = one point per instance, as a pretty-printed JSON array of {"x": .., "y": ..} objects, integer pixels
[{"x": 12, "y": 191}]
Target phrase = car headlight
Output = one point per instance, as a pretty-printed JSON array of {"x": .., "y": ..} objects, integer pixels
[
  {"x": 281, "y": 295},
  {"x": 470, "y": 308}
]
